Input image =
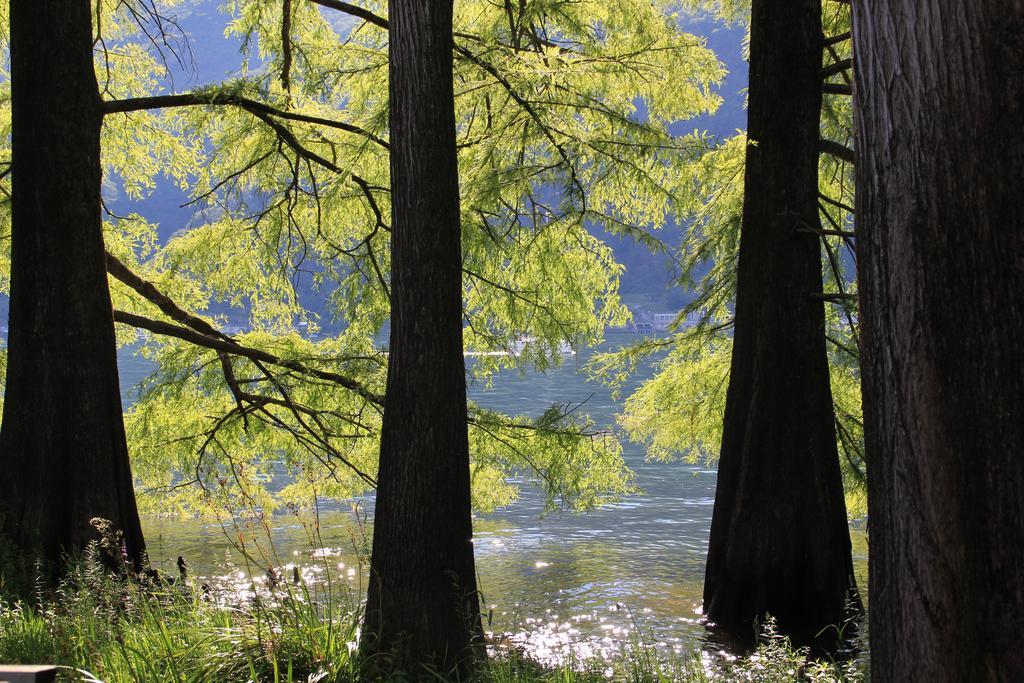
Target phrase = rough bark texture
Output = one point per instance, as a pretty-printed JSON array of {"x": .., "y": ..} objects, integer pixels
[
  {"x": 779, "y": 543},
  {"x": 422, "y": 607},
  {"x": 63, "y": 457},
  {"x": 940, "y": 99}
]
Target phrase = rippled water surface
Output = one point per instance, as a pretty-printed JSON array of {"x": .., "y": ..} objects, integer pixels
[{"x": 584, "y": 583}]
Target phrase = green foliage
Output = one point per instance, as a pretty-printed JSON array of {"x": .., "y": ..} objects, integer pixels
[
  {"x": 576, "y": 465},
  {"x": 680, "y": 409},
  {"x": 722, "y": 10},
  {"x": 240, "y": 457},
  {"x": 288, "y": 173},
  {"x": 553, "y": 151}
]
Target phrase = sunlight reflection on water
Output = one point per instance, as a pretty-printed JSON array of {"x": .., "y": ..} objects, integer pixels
[
  {"x": 559, "y": 597},
  {"x": 566, "y": 587}
]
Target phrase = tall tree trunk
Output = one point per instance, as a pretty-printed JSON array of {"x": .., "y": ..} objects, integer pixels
[
  {"x": 63, "y": 457},
  {"x": 940, "y": 104},
  {"x": 780, "y": 543},
  {"x": 422, "y": 607}
]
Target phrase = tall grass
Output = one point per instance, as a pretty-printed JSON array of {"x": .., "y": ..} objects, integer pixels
[{"x": 104, "y": 628}]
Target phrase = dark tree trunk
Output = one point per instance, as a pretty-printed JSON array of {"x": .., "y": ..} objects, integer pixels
[
  {"x": 780, "y": 543},
  {"x": 63, "y": 457},
  {"x": 940, "y": 100},
  {"x": 422, "y": 608}
]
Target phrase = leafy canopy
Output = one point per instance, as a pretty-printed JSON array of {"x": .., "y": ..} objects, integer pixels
[{"x": 563, "y": 114}]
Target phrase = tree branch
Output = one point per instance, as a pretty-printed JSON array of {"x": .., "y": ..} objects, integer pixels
[
  {"x": 148, "y": 291},
  {"x": 843, "y": 347},
  {"x": 348, "y": 8},
  {"x": 837, "y": 89},
  {"x": 838, "y": 67},
  {"x": 838, "y": 204},
  {"x": 838, "y": 38},
  {"x": 379, "y": 21},
  {"x": 532, "y": 112},
  {"x": 234, "y": 348},
  {"x": 833, "y": 233},
  {"x": 286, "y": 46},
  {"x": 254, "y": 107},
  {"x": 834, "y": 298},
  {"x": 837, "y": 150}
]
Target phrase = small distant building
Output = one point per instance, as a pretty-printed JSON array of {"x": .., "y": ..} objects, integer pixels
[
  {"x": 648, "y": 322},
  {"x": 662, "y": 321},
  {"x": 641, "y": 327}
]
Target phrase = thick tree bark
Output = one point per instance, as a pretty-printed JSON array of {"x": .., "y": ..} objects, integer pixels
[
  {"x": 63, "y": 457},
  {"x": 780, "y": 543},
  {"x": 940, "y": 101},
  {"x": 422, "y": 609}
]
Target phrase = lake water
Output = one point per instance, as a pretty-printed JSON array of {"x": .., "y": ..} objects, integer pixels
[{"x": 584, "y": 583}]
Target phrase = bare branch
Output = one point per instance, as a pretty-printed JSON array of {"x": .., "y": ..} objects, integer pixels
[
  {"x": 286, "y": 46},
  {"x": 833, "y": 298},
  {"x": 833, "y": 233},
  {"x": 836, "y": 68},
  {"x": 838, "y": 38},
  {"x": 837, "y": 150},
  {"x": 838, "y": 204},
  {"x": 837, "y": 89}
]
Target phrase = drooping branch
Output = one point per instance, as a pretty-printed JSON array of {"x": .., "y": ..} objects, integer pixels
[
  {"x": 167, "y": 32},
  {"x": 256, "y": 402},
  {"x": 835, "y": 55},
  {"x": 149, "y": 292},
  {"x": 837, "y": 275},
  {"x": 843, "y": 347},
  {"x": 298, "y": 411},
  {"x": 837, "y": 229},
  {"x": 213, "y": 98},
  {"x": 201, "y": 333},
  {"x": 234, "y": 348},
  {"x": 286, "y": 136},
  {"x": 520, "y": 296},
  {"x": 836, "y": 203},
  {"x": 849, "y": 443},
  {"x": 198, "y": 331}
]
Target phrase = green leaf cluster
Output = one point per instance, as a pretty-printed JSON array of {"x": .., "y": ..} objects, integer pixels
[{"x": 563, "y": 112}]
